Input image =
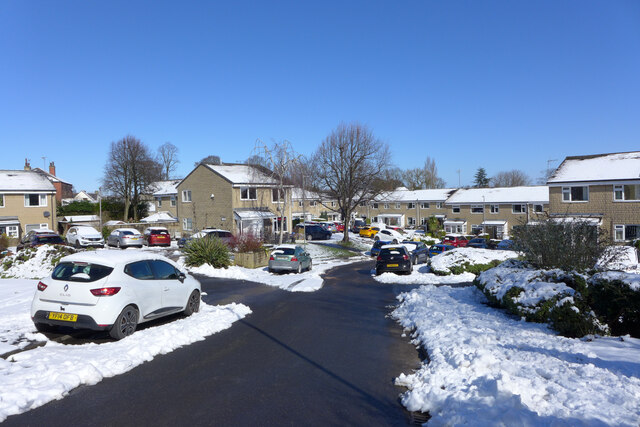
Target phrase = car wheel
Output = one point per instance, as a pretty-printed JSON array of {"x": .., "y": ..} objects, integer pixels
[
  {"x": 118, "y": 243},
  {"x": 270, "y": 270},
  {"x": 309, "y": 237},
  {"x": 310, "y": 265},
  {"x": 193, "y": 304},
  {"x": 376, "y": 238},
  {"x": 125, "y": 323},
  {"x": 77, "y": 244},
  {"x": 414, "y": 261},
  {"x": 378, "y": 271},
  {"x": 395, "y": 241},
  {"x": 43, "y": 327},
  {"x": 299, "y": 270}
]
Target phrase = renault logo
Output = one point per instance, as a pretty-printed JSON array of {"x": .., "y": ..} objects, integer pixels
[{"x": 66, "y": 288}]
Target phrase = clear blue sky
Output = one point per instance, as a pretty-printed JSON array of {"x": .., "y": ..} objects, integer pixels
[{"x": 497, "y": 84}]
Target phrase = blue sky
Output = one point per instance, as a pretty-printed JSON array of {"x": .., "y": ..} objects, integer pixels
[{"x": 497, "y": 84}]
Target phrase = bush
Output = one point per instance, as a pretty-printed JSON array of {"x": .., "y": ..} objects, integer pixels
[
  {"x": 211, "y": 250},
  {"x": 472, "y": 268},
  {"x": 616, "y": 303},
  {"x": 4, "y": 242},
  {"x": 248, "y": 243}
]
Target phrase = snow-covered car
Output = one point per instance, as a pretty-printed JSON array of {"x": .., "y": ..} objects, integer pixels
[
  {"x": 418, "y": 251},
  {"x": 36, "y": 239},
  {"x": 125, "y": 237},
  {"x": 112, "y": 291},
  {"x": 289, "y": 258},
  {"x": 389, "y": 235},
  {"x": 82, "y": 236}
]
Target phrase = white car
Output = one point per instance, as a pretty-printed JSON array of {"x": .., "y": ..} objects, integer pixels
[
  {"x": 112, "y": 291},
  {"x": 389, "y": 235},
  {"x": 84, "y": 236}
]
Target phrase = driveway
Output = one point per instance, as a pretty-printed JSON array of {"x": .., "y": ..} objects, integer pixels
[{"x": 322, "y": 358}]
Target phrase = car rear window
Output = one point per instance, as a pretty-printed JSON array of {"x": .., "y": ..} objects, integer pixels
[
  {"x": 80, "y": 272},
  {"x": 49, "y": 239},
  {"x": 284, "y": 251},
  {"x": 224, "y": 234},
  {"x": 391, "y": 251},
  {"x": 128, "y": 233},
  {"x": 159, "y": 232}
]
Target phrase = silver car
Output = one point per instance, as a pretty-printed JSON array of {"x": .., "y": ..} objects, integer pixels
[
  {"x": 125, "y": 237},
  {"x": 289, "y": 258}
]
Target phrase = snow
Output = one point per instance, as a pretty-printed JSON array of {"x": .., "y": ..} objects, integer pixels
[
  {"x": 422, "y": 276},
  {"x": 456, "y": 257},
  {"x": 630, "y": 279},
  {"x": 19, "y": 180},
  {"x": 242, "y": 174},
  {"x": 614, "y": 166},
  {"x": 404, "y": 195},
  {"x": 165, "y": 188},
  {"x": 487, "y": 368},
  {"x": 524, "y": 194},
  {"x": 163, "y": 216},
  {"x": 622, "y": 258},
  {"x": 34, "y": 377},
  {"x": 37, "y": 266}
]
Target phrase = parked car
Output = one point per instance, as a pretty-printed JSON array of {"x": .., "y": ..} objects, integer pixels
[
  {"x": 418, "y": 251},
  {"x": 394, "y": 258},
  {"x": 375, "y": 249},
  {"x": 157, "y": 236},
  {"x": 314, "y": 232},
  {"x": 329, "y": 225},
  {"x": 112, "y": 291},
  {"x": 223, "y": 235},
  {"x": 125, "y": 238},
  {"x": 83, "y": 236},
  {"x": 339, "y": 227},
  {"x": 505, "y": 245},
  {"x": 289, "y": 258},
  {"x": 388, "y": 235},
  {"x": 357, "y": 225},
  {"x": 481, "y": 243},
  {"x": 455, "y": 240},
  {"x": 369, "y": 231},
  {"x": 439, "y": 248},
  {"x": 31, "y": 240}
]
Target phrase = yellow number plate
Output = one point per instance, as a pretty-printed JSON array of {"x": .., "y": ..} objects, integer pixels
[
  {"x": 392, "y": 265},
  {"x": 63, "y": 316}
]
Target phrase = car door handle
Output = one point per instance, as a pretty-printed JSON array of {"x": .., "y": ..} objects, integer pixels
[{"x": 166, "y": 288}]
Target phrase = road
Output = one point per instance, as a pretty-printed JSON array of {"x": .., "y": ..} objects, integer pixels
[{"x": 322, "y": 358}]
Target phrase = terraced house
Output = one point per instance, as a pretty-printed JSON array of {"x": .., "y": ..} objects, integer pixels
[
  {"x": 235, "y": 197},
  {"x": 308, "y": 204},
  {"x": 27, "y": 202},
  {"x": 494, "y": 211},
  {"x": 407, "y": 208},
  {"x": 603, "y": 189}
]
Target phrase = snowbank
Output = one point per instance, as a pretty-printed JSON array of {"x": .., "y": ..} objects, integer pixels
[
  {"x": 33, "y": 263},
  {"x": 464, "y": 257},
  {"x": 486, "y": 368},
  {"x": 422, "y": 276}
]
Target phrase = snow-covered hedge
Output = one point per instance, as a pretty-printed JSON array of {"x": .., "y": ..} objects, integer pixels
[
  {"x": 33, "y": 263},
  {"x": 615, "y": 297},
  {"x": 468, "y": 260}
]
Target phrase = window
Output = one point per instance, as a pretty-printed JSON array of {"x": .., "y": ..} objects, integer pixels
[
  {"x": 363, "y": 204},
  {"x": 398, "y": 205},
  {"x": 375, "y": 206},
  {"x": 301, "y": 204},
  {"x": 313, "y": 203},
  {"x": 173, "y": 201},
  {"x": 386, "y": 205},
  {"x": 626, "y": 232},
  {"x": 424, "y": 205},
  {"x": 1, "y": 200},
  {"x": 248, "y": 193},
  {"x": 538, "y": 208},
  {"x": 476, "y": 229},
  {"x": 333, "y": 204},
  {"x": 139, "y": 270},
  {"x": 411, "y": 205},
  {"x": 575, "y": 194},
  {"x": 626, "y": 192},
  {"x": 519, "y": 209},
  {"x": 35, "y": 200},
  {"x": 375, "y": 219},
  {"x": 494, "y": 209},
  {"x": 477, "y": 209},
  {"x": 438, "y": 205},
  {"x": 186, "y": 196},
  {"x": 411, "y": 220},
  {"x": 187, "y": 224},
  {"x": 163, "y": 270},
  {"x": 277, "y": 195},
  {"x": 159, "y": 203},
  {"x": 455, "y": 209}
]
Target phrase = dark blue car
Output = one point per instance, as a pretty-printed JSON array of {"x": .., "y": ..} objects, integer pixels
[
  {"x": 505, "y": 245},
  {"x": 375, "y": 249},
  {"x": 439, "y": 248},
  {"x": 418, "y": 251},
  {"x": 481, "y": 243},
  {"x": 315, "y": 232}
]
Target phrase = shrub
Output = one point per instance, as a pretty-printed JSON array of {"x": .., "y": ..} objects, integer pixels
[
  {"x": 472, "y": 268},
  {"x": 248, "y": 242},
  {"x": 4, "y": 242},
  {"x": 212, "y": 251},
  {"x": 617, "y": 303}
]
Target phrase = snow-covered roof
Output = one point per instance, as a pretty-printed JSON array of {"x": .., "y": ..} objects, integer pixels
[
  {"x": 22, "y": 181},
  {"x": 164, "y": 188},
  {"x": 242, "y": 174},
  {"x": 114, "y": 222},
  {"x": 600, "y": 167},
  {"x": 80, "y": 218},
  {"x": 299, "y": 194},
  {"x": 430, "y": 195},
  {"x": 159, "y": 217},
  {"x": 528, "y": 194},
  {"x": 50, "y": 176},
  {"x": 249, "y": 214}
]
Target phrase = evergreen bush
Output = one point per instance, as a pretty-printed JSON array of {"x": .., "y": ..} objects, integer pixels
[
  {"x": 210, "y": 250},
  {"x": 617, "y": 303}
]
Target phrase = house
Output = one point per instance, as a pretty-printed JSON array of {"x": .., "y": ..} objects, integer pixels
[
  {"x": 603, "y": 189},
  {"x": 494, "y": 211},
  {"x": 308, "y": 204},
  {"x": 236, "y": 197},
  {"x": 69, "y": 221},
  {"x": 165, "y": 196},
  {"x": 27, "y": 202},
  {"x": 407, "y": 208},
  {"x": 64, "y": 190}
]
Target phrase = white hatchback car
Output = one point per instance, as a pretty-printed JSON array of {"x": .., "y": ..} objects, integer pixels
[
  {"x": 84, "y": 236},
  {"x": 112, "y": 291}
]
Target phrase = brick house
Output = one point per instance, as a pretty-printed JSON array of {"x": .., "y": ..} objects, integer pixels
[
  {"x": 494, "y": 210},
  {"x": 603, "y": 189},
  {"x": 27, "y": 202},
  {"x": 165, "y": 196},
  {"x": 64, "y": 190},
  {"x": 235, "y": 197}
]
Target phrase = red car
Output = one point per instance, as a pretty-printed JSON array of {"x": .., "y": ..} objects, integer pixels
[
  {"x": 157, "y": 236},
  {"x": 340, "y": 227},
  {"x": 456, "y": 241}
]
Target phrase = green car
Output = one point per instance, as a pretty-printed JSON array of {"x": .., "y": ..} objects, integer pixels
[{"x": 289, "y": 258}]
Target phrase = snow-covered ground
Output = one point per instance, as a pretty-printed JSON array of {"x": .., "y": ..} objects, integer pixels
[
  {"x": 421, "y": 275},
  {"x": 488, "y": 368},
  {"x": 32, "y": 378},
  {"x": 473, "y": 256}
]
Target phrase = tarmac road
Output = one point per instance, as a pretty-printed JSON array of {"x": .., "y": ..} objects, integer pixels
[{"x": 322, "y": 358}]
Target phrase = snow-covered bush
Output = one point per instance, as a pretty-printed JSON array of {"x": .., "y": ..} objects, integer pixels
[
  {"x": 468, "y": 260},
  {"x": 208, "y": 250},
  {"x": 545, "y": 296},
  {"x": 615, "y": 297},
  {"x": 33, "y": 263}
]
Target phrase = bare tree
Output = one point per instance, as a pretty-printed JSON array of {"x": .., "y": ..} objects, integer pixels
[
  {"x": 129, "y": 170},
  {"x": 424, "y": 177},
  {"x": 346, "y": 167},
  {"x": 512, "y": 178},
  {"x": 209, "y": 160},
  {"x": 279, "y": 159},
  {"x": 168, "y": 159}
]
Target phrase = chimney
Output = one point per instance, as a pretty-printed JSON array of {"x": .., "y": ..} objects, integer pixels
[
  {"x": 27, "y": 166},
  {"x": 52, "y": 169}
]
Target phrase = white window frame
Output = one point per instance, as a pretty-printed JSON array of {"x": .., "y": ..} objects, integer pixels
[
  {"x": 375, "y": 219},
  {"x": 455, "y": 209},
  {"x": 398, "y": 205},
  {"x": 479, "y": 209},
  {"x": 375, "y": 206},
  {"x": 245, "y": 193},
  {"x": 333, "y": 204},
  {"x": 538, "y": 208},
  {"x": 566, "y": 194},
  {"x": 622, "y": 229},
  {"x": 41, "y": 198},
  {"x": 12, "y": 231},
  {"x": 313, "y": 203},
  {"x": 438, "y": 205},
  {"x": 187, "y": 224},
  {"x": 301, "y": 204},
  {"x": 173, "y": 201},
  {"x": 386, "y": 206},
  {"x": 411, "y": 205},
  {"x": 424, "y": 205},
  {"x": 363, "y": 204},
  {"x": 411, "y": 220},
  {"x": 494, "y": 209},
  {"x": 523, "y": 208},
  {"x": 280, "y": 193},
  {"x": 186, "y": 196},
  {"x": 160, "y": 202},
  {"x": 620, "y": 188},
  {"x": 424, "y": 220}
]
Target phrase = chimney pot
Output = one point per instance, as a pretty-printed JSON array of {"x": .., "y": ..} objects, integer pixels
[{"x": 52, "y": 169}]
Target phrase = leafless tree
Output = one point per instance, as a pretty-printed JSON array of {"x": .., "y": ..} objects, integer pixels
[
  {"x": 168, "y": 159},
  {"x": 512, "y": 178},
  {"x": 346, "y": 167},
  {"x": 424, "y": 177},
  {"x": 209, "y": 160},
  {"x": 129, "y": 170}
]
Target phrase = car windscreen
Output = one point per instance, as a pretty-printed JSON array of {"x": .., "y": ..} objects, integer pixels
[
  {"x": 284, "y": 251},
  {"x": 80, "y": 272},
  {"x": 224, "y": 234}
]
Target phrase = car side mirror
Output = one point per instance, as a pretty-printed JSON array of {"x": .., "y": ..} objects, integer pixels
[{"x": 181, "y": 277}]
